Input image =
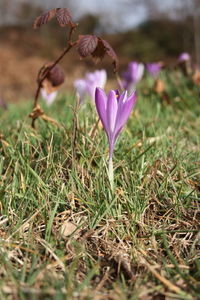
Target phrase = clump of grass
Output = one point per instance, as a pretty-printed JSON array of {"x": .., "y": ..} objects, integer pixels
[{"x": 62, "y": 234}]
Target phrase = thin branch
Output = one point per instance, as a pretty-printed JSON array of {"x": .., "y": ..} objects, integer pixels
[{"x": 45, "y": 75}]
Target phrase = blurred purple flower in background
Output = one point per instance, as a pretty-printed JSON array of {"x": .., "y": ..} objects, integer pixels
[
  {"x": 184, "y": 57},
  {"x": 113, "y": 111},
  {"x": 154, "y": 68},
  {"x": 185, "y": 64},
  {"x": 86, "y": 86},
  {"x": 49, "y": 98},
  {"x": 133, "y": 75}
]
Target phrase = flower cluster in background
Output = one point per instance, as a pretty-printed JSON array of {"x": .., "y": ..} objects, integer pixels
[
  {"x": 135, "y": 72},
  {"x": 85, "y": 87}
]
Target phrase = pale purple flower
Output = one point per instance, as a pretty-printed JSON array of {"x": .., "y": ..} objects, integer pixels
[
  {"x": 154, "y": 68},
  {"x": 113, "y": 111},
  {"x": 184, "y": 57},
  {"x": 81, "y": 89},
  {"x": 133, "y": 75},
  {"x": 49, "y": 98},
  {"x": 86, "y": 86}
]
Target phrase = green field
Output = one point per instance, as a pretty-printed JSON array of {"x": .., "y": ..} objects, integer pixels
[{"x": 65, "y": 235}]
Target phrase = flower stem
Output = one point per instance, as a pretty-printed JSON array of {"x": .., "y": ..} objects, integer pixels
[{"x": 110, "y": 173}]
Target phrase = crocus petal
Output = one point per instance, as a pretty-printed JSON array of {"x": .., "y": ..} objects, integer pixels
[
  {"x": 88, "y": 85},
  {"x": 112, "y": 107},
  {"x": 184, "y": 57},
  {"x": 80, "y": 86},
  {"x": 102, "y": 76},
  {"x": 121, "y": 102},
  {"x": 133, "y": 70},
  {"x": 133, "y": 75},
  {"x": 100, "y": 100},
  {"x": 123, "y": 113},
  {"x": 89, "y": 76},
  {"x": 113, "y": 112},
  {"x": 140, "y": 71},
  {"x": 49, "y": 98},
  {"x": 94, "y": 80},
  {"x": 154, "y": 68},
  {"x": 122, "y": 99},
  {"x": 91, "y": 89}
]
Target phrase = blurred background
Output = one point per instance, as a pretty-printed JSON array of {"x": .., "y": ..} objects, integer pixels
[{"x": 142, "y": 30}]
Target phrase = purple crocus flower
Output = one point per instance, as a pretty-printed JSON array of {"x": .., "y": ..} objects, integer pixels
[
  {"x": 133, "y": 75},
  {"x": 154, "y": 68},
  {"x": 184, "y": 57},
  {"x": 113, "y": 111},
  {"x": 87, "y": 86},
  {"x": 49, "y": 98}
]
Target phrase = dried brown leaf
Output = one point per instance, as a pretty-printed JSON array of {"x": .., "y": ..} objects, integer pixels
[
  {"x": 110, "y": 52},
  {"x": 103, "y": 48},
  {"x": 63, "y": 17},
  {"x": 100, "y": 50},
  {"x": 44, "y": 18},
  {"x": 97, "y": 47},
  {"x": 87, "y": 45}
]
